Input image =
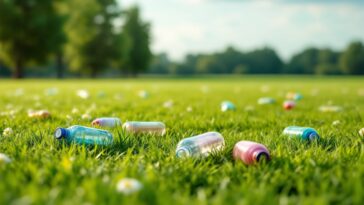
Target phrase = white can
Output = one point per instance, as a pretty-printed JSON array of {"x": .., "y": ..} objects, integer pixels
[
  {"x": 156, "y": 128},
  {"x": 107, "y": 122}
]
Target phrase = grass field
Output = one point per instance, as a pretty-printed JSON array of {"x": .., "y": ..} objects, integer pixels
[{"x": 45, "y": 171}]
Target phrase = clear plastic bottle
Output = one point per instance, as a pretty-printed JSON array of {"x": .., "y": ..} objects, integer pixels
[
  {"x": 107, "y": 122},
  {"x": 200, "y": 145},
  {"x": 250, "y": 152},
  {"x": 84, "y": 135},
  {"x": 156, "y": 128},
  {"x": 266, "y": 101},
  {"x": 305, "y": 133}
]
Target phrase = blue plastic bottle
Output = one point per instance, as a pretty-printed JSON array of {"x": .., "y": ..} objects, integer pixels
[
  {"x": 84, "y": 135},
  {"x": 305, "y": 133}
]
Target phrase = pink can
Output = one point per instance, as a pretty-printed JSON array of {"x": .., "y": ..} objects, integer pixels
[{"x": 250, "y": 152}]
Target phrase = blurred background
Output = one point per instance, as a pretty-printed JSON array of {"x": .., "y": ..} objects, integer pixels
[{"x": 127, "y": 38}]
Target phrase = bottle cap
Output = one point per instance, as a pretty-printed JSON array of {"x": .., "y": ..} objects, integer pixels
[
  {"x": 60, "y": 133},
  {"x": 262, "y": 156},
  {"x": 182, "y": 152},
  {"x": 313, "y": 136}
]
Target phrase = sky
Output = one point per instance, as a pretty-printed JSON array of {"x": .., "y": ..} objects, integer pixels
[{"x": 179, "y": 27}]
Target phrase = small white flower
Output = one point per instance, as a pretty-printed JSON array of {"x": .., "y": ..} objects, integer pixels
[
  {"x": 75, "y": 110},
  {"x": 8, "y": 131},
  {"x": 336, "y": 123},
  {"x": 84, "y": 94},
  {"x": 168, "y": 104},
  {"x": 143, "y": 94},
  {"x": 128, "y": 186},
  {"x": 4, "y": 159},
  {"x": 86, "y": 116},
  {"x": 189, "y": 109},
  {"x": 361, "y": 132}
]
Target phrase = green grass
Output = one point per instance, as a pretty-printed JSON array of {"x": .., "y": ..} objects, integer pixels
[{"x": 45, "y": 171}]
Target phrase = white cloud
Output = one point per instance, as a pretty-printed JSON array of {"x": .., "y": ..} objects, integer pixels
[{"x": 182, "y": 26}]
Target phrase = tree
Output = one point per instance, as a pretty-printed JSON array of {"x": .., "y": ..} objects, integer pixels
[
  {"x": 29, "y": 32},
  {"x": 327, "y": 62},
  {"x": 352, "y": 59},
  {"x": 304, "y": 62},
  {"x": 90, "y": 31},
  {"x": 160, "y": 64},
  {"x": 264, "y": 61},
  {"x": 136, "y": 33}
]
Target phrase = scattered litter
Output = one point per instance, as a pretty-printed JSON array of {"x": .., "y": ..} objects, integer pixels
[
  {"x": 266, "y": 101},
  {"x": 305, "y": 133},
  {"x": 143, "y": 94},
  {"x": 84, "y": 135},
  {"x": 201, "y": 145},
  {"x": 293, "y": 96},
  {"x": 107, "y": 122},
  {"x": 250, "y": 152},
  {"x": 227, "y": 105},
  {"x": 289, "y": 104},
  {"x": 156, "y": 128},
  {"x": 39, "y": 114}
]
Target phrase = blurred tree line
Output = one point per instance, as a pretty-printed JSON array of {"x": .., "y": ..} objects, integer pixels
[
  {"x": 45, "y": 38},
  {"x": 266, "y": 61}
]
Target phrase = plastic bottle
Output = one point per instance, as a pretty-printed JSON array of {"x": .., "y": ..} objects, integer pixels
[
  {"x": 227, "y": 105},
  {"x": 250, "y": 152},
  {"x": 84, "y": 135},
  {"x": 289, "y": 104},
  {"x": 39, "y": 114},
  {"x": 266, "y": 101},
  {"x": 200, "y": 145},
  {"x": 107, "y": 122},
  {"x": 156, "y": 128},
  {"x": 305, "y": 133}
]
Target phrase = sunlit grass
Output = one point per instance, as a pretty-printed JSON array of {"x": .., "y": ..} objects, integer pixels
[{"x": 45, "y": 171}]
